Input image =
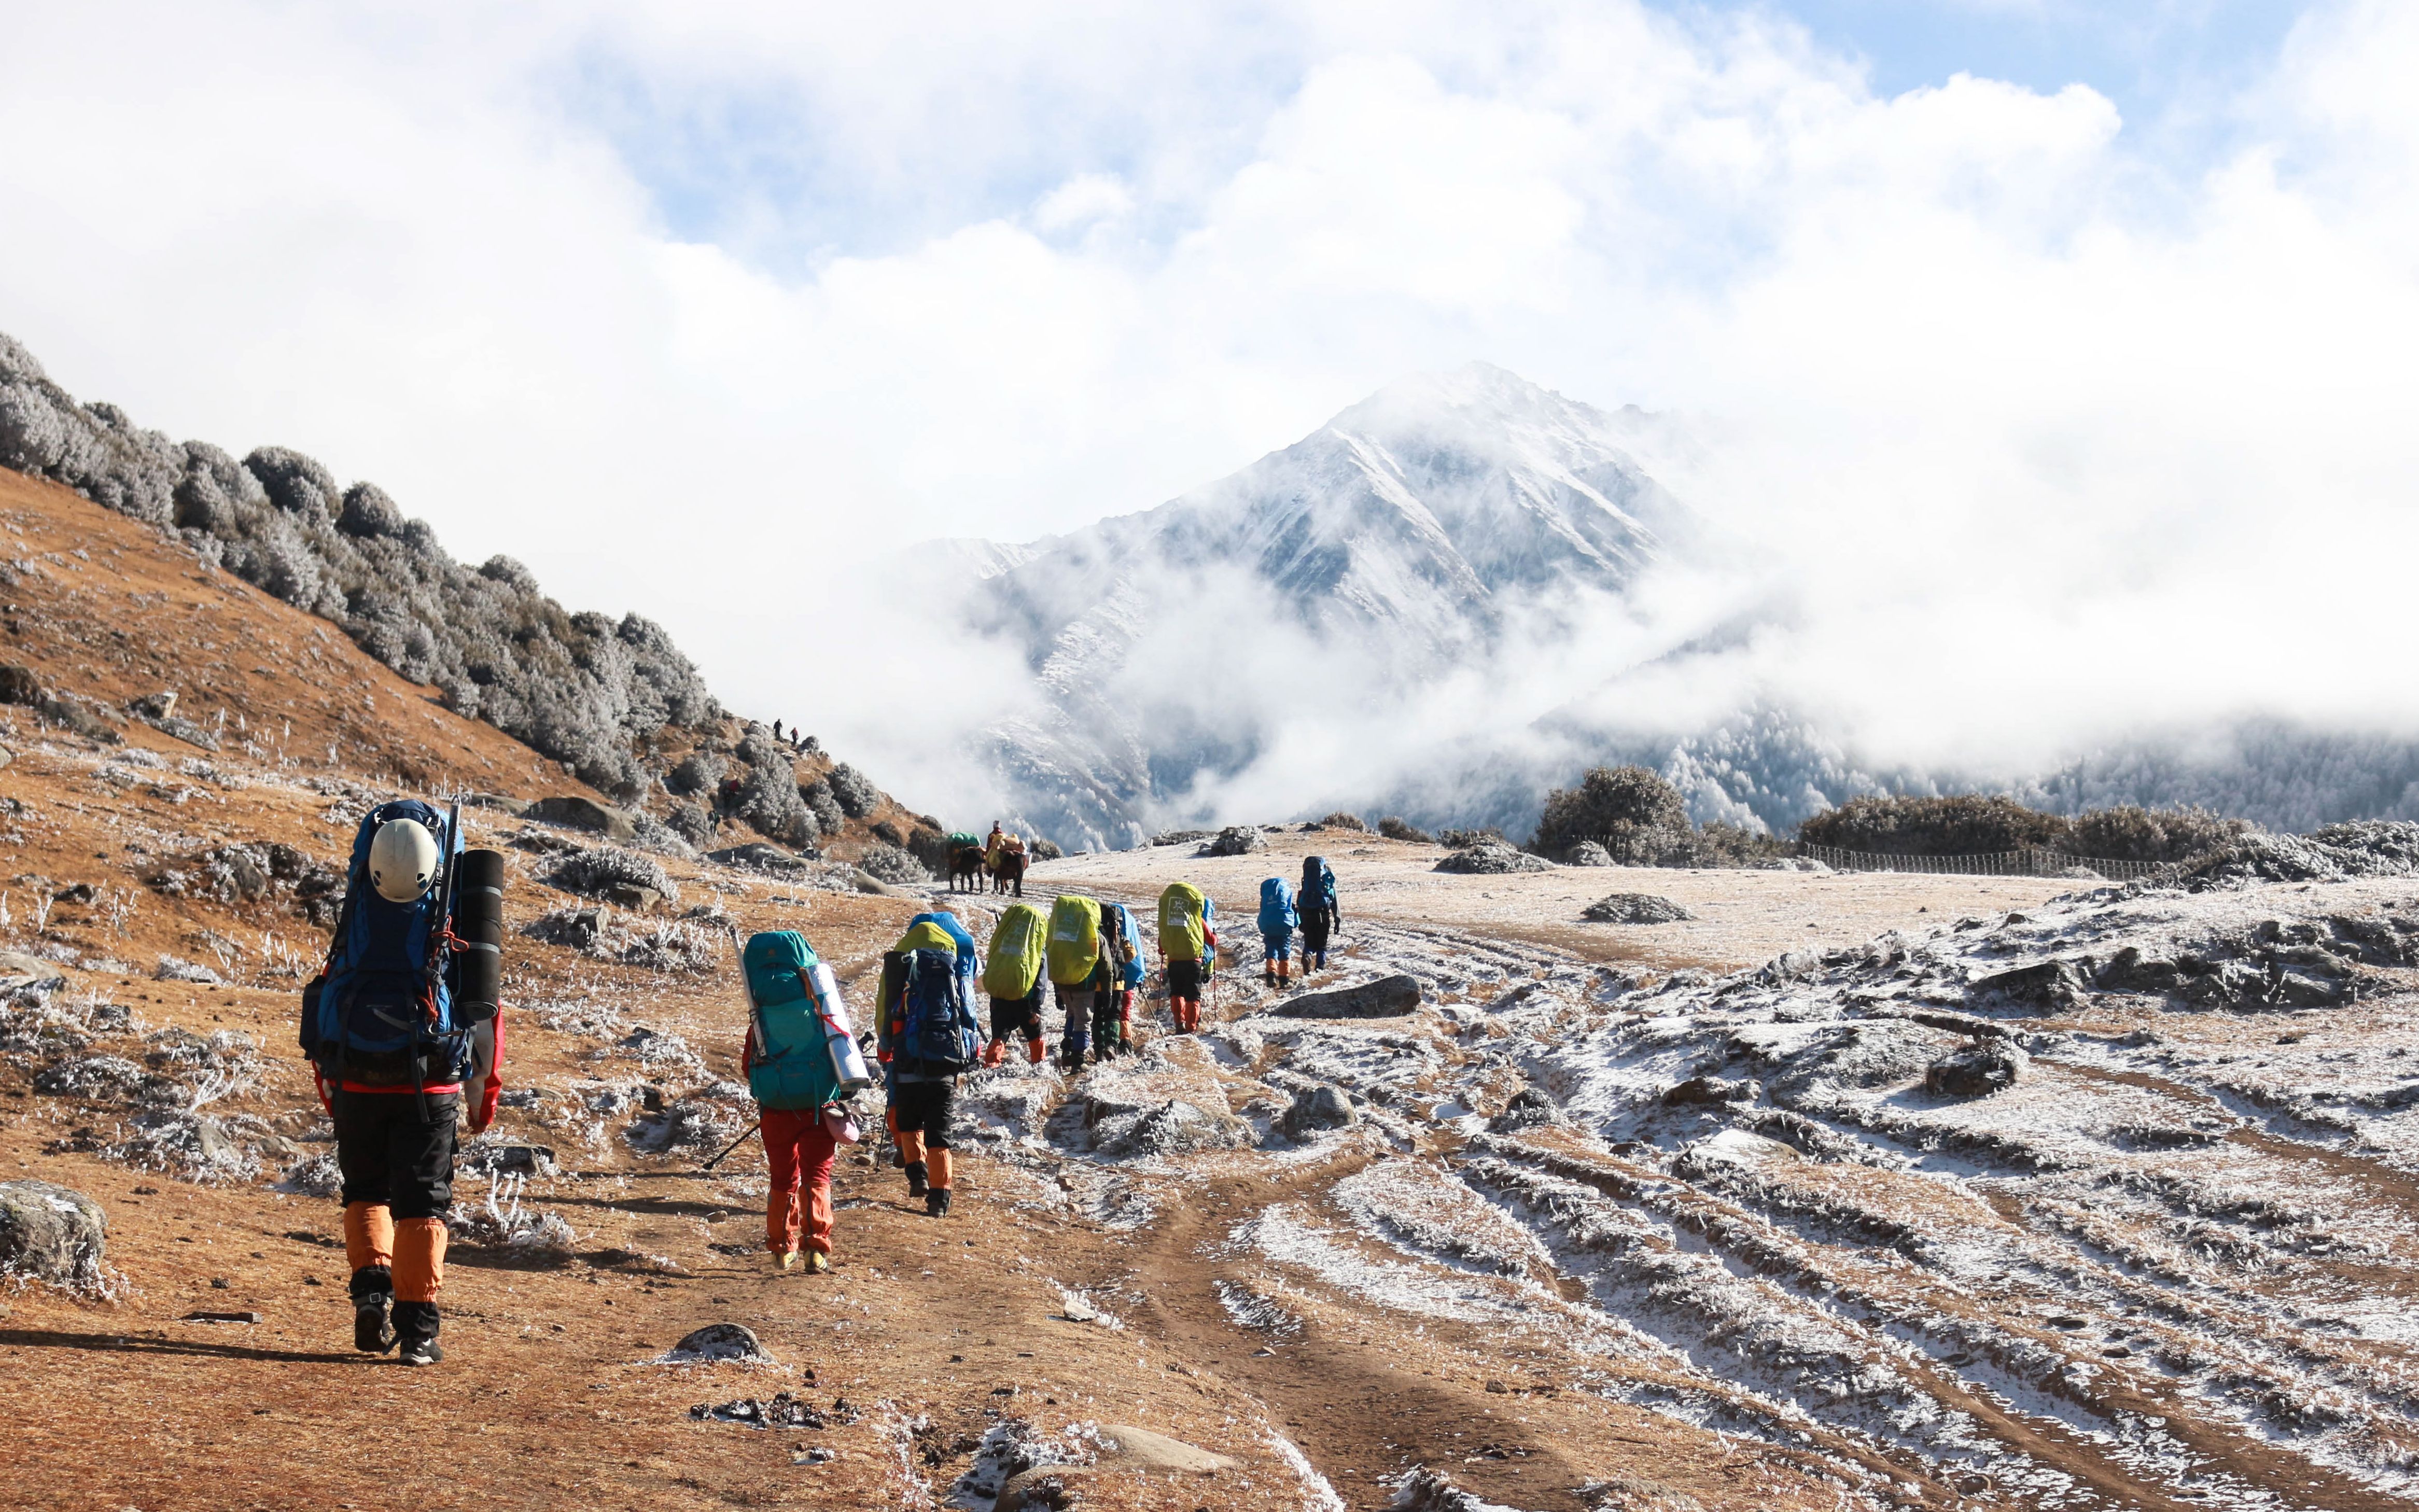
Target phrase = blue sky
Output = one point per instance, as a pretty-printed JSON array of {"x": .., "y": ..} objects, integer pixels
[{"x": 2147, "y": 58}]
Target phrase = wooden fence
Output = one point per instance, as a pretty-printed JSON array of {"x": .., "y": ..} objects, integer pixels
[{"x": 2031, "y": 861}]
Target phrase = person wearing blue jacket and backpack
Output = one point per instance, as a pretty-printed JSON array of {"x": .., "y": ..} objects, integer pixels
[{"x": 1277, "y": 920}]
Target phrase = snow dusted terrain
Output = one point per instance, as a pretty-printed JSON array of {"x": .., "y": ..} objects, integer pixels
[{"x": 2109, "y": 1201}]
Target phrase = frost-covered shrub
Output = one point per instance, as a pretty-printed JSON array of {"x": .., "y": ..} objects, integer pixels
[
  {"x": 580, "y": 688},
  {"x": 2128, "y": 833},
  {"x": 1045, "y": 850},
  {"x": 700, "y": 771},
  {"x": 768, "y": 792},
  {"x": 857, "y": 795},
  {"x": 888, "y": 863},
  {"x": 691, "y": 821},
  {"x": 1340, "y": 820},
  {"x": 601, "y": 870},
  {"x": 1636, "y": 816},
  {"x": 664, "y": 839},
  {"x": 1974, "y": 824},
  {"x": 1402, "y": 829},
  {"x": 823, "y": 805}
]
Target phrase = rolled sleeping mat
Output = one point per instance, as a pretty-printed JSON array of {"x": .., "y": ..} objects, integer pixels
[{"x": 479, "y": 924}]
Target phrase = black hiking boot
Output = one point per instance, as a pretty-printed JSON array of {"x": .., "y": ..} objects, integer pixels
[
  {"x": 937, "y": 1202},
  {"x": 916, "y": 1187},
  {"x": 416, "y": 1327},
  {"x": 373, "y": 1288}
]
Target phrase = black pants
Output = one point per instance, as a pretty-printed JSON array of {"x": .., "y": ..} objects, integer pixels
[
  {"x": 1017, "y": 1017},
  {"x": 1314, "y": 935},
  {"x": 387, "y": 1153},
  {"x": 925, "y": 1108}
]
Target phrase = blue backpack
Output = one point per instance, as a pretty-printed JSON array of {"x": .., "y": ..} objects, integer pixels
[
  {"x": 1276, "y": 907},
  {"x": 1317, "y": 884},
  {"x": 936, "y": 1022},
  {"x": 1129, "y": 972},
  {"x": 958, "y": 932},
  {"x": 381, "y": 1012}
]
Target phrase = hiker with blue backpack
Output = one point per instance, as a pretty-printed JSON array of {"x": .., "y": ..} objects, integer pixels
[
  {"x": 1121, "y": 972},
  {"x": 802, "y": 1064},
  {"x": 402, "y": 1031},
  {"x": 1277, "y": 920},
  {"x": 1321, "y": 913},
  {"x": 928, "y": 1039}
]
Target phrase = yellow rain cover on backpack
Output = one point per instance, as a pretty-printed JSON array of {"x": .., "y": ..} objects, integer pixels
[
  {"x": 927, "y": 936},
  {"x": 1074, "y": 940},
  {"x": 1183, "y": 923},
  {"x": 1017, "y": 948}
]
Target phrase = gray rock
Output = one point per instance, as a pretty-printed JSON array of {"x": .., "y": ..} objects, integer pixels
[
  {"x": 22, "y": 685},
  {"x": 1173, "y": 1128},
  {"x": 518, "y": 807},
  {"x": 1493, "y": 858},
  {"x": 2054, "y": 985},
  {"x": 1528, "y": 1109},
  {"x": 1634, "y": 908},
  {"x": 1977, "y": 1070},
  {"x": 1236, "y": 840},
  {"x": 720, "y": 1341},
  {"x": 19, "y": 971},
  {"x": 1710, "y": 1091},
  {"x": 1587, "y": 852},
  {"x": 511, "y": 1160},
  {"x": 52, "y": 1233},
  {"x": 1385, "y": 998},
  {"x": 5, "y": 757},
  {"x": 1319, "y": 1107},
  {"x": 756, "y": 856},
  {"x": 571, "y": 812},
  {"x": 1124, "y": 1450}
]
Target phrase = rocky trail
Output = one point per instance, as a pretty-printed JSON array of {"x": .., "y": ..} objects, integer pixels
[{"x": 1819, "y": 1191}]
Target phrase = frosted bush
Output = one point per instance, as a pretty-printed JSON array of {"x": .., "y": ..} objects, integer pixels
[
  {"x": 768, "y": 793},
  {"x": 700, "y": 771},
  {"x": 856, "y": 793},
  {"x": 580, "y": 688},
  {"x": 888, "y": 863}
]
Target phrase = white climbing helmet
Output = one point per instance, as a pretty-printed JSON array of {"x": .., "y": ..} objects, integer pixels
[{"x": 403, "y": 860}]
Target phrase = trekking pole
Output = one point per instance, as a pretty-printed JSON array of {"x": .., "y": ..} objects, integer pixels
[{"x": 728, "y": 1148}]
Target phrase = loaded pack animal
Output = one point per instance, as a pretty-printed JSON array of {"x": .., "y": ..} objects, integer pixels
[
  {"x": 965, "y": 868},
  {"x": 1007, "y": 869}
]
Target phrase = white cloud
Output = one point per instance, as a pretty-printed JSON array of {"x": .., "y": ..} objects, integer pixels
[{"x": 2054, "y": 434}]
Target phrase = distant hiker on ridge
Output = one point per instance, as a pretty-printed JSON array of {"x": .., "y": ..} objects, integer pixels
[{"x": 1321, "y": 915}]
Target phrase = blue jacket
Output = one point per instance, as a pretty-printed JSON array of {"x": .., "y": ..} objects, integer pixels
[{"x": 1277, "y": 916}]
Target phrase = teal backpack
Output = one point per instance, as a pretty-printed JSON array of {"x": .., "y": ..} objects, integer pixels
[{"x": 792, "y": 1069}]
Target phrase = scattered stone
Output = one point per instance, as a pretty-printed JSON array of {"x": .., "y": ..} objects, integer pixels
[
  {"x": 1493, "y": 857},
  {"x": 756, "y": 856},
  {"x": 222, "y": 1317},
  {"x": 19, "y": 685},
  {"x": 1710, "y": 1091},
  {"x": 52, "y": 1233},
  {"x": 1123, "y": 1450},
  {"x": 516, "y": 808},
  {"x": 1236, "y": 840},
  {"x": 1320, "y": 1108},
  {"x": 510, "y": 1160},
  {"x": 1173, "y": 1127},
  {"x": 718, "y": 1341},
  {"x": 1587, "y": 852},
  {"x": 1528, "y": 1109},
  {"x": 571, "y": 812},
  {"x": 780, "y": 1410},
  {"x": 1977, "y": 1070},
  {"x": 172, "y": 968},
  {"x": 22, "y": 972},
  {"x": 1387, "y": 998},
  {"x": 1634, "y": 908},
  {"x": 2054, "y": 985}
]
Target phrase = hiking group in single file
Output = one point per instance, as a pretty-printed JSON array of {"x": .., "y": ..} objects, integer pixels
[{"x": 404, "y": 1031}]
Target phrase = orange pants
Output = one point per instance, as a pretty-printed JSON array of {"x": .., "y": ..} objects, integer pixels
[{"x": 800, "y": 1150}]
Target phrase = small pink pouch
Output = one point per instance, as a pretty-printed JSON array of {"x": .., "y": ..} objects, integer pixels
[{"x": 840, "y": 1125}]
